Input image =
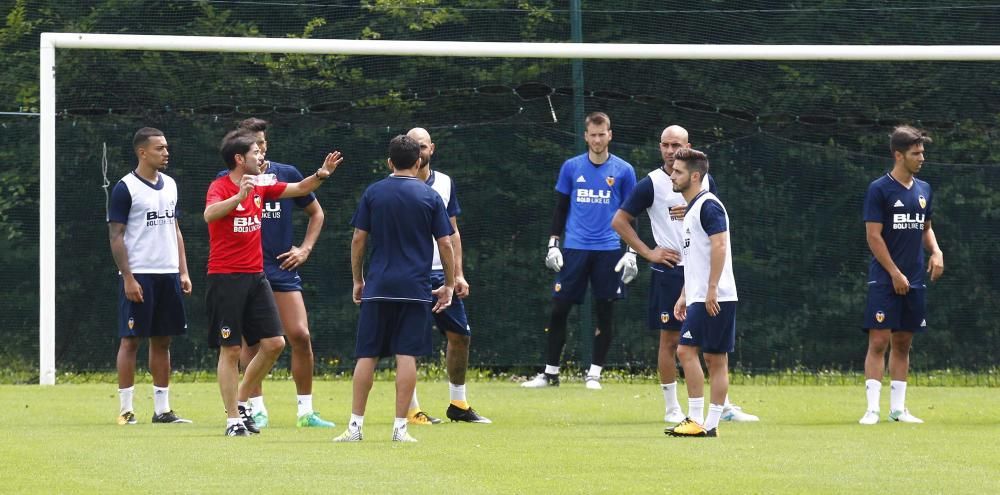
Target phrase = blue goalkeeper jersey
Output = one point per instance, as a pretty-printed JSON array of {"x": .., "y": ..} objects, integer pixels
[{"x": 595, "y": 194}]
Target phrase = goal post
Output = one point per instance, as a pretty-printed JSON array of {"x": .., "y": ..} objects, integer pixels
[{"x": 50, "y": 42}]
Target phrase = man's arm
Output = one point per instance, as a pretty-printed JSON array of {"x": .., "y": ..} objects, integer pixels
[
  {"x": 183, "y": 264},
  {"x": 311, "y": 183},
  {"x": 624, "y": 223},
  {"x": 298, "y": 255},
  {"x": 220, "y": 209},
  {"x": 876, "y": 244},
  {"x": 935, "y": 266},
  {"x": 358, "y": 244},
  {"x": 461, "y": 285},
  {"x": 717, "y": 260},
  {"x": 445, "y": 292},
  {"x": 116, "y": 232}
]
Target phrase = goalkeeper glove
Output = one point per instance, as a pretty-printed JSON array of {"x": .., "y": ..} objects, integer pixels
[
  {"x": 627, "y": 266},
  {"x": 554, "y": 259}
]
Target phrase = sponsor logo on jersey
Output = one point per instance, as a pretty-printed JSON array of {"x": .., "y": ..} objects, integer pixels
[
  {"x": 159, "y": 217},
  {"x": 664, "y": 317},
  {"x": 610, "y": 180},
  {"x": 591, "y": 196},
  {"x": 879, "y": 316},
  {"x": 899, "y": 204},
  {"x": 923, "y": 201},
  {"x": 581, "y": 179},
  {"x": 225, "y": 332},
  {"x": 246, "y": 224},
  {"x": 240, "y": 207},
  {"x": 272, "y": 209},
  {"x": 904, "y": 221}
]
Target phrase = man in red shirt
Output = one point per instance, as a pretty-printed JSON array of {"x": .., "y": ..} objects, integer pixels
[{"x": 238, "y": 297}]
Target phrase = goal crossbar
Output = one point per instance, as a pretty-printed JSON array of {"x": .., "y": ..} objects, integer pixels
[{"x": 49, "y": 42}]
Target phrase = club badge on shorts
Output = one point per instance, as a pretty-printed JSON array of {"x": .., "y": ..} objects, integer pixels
[
  {"x": 879, "y": 316},
  {"x": 225, "y": 332},
  {"x": 664, "y": 317},
  {"x": 558, "y": 287}
]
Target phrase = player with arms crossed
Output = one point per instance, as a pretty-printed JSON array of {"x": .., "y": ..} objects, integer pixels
[
  {"x": 898, "y": 209},
  {"x": 591, "y": 187},
  {"x": 148, "y": 248},
  {"x": 403, "y": 217},
  {"x": 707, "y": 303},
  {"x": 452, "y": 322},
  {"x": 238, "y": 298},
  {"x": 281, "y": 261},
  {"x": 666, "y": 207}
]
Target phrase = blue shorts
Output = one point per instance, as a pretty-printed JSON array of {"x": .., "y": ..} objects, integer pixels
[
  {"x": 388, "y": 328},
  {"x": 713, "y": 334},
  {"x": 161, "y": 312},
  {"x": 664, "y": 289},
  {"x": 453, "y": 319},
  {"x": 240, "y": 307},
  {"x": 887, "y": 310},
  {"x": 597, "y": 267},
  {"x": 283, "y": 280}
]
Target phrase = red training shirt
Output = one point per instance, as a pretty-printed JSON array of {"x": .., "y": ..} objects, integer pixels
[{"x": 234, "y": 240}]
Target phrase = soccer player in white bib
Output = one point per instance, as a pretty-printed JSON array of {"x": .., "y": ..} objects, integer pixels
[
  {"x": 148, "y": 248},
  {"x": 707, "y": 303},
  {"x": 590, "y": 189},
  {"x": 453, "y": 323},
  {"x": 897, "y": 214},
  {"x": 655, "y": 195}
]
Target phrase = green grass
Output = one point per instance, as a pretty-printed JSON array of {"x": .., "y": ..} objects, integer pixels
[{"x": 63, "y": 439}]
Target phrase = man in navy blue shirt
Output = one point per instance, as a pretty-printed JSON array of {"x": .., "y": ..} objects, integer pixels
[
  {"x": 898, "y": 210},
  {"x": 403, "y": 217},
  {"x": 282, "y": 258}
]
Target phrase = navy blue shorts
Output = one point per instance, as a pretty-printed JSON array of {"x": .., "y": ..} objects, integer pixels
[
  {"x": 597, "y": 267},
  {"x": 388, "y": 328},
  {"x": 664, "y": 289},
  {"x": 887, "y": 310},
  {"x": 283, "y": 280},
  {"x": 713, "y": 334},
  {"x": 453, "y": 319},
  {"x": 240, "y": 306},
  {"x": 161, "y": 312}
]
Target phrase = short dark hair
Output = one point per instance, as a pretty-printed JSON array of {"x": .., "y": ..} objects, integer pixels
[
  {"x": 142, "y": 136},
  {"x": 696, "y": 161},
  {"x": 236, "y": 142},
  {"x": 253, "y": 124},
  {"x": 904, "y": 137},
  {"x": 404, "y": 152},
  {"x": 597, "y": 118}
]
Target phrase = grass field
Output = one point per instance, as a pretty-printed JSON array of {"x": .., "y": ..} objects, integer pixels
[{"x": 63, "y": 439}]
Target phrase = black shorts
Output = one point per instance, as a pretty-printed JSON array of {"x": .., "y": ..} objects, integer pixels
[
  {"x": 240, "y": 306},
  {"x": 161, "y": 314}
]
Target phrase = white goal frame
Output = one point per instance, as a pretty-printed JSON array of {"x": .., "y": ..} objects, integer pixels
[{"x": 47, "y": 87}]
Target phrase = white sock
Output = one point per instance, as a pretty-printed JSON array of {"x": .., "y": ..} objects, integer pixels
[
  {"x": 714, "y": 413},
  {"x": 305, "y": 403},
  {"x": 414, "y": 403},
  {"x": 356, "y": 422},
  {"x": 696, "y": 409},
  {"x": 233, "y": 421},
  {"x": 551, "y": 370},
  {"x": 595, "y": 370},
  {"x": 244, "y": 405},
  {"x": 727, "y": 404},
  {"x": 399, "y": 423},
  {"x": 873, "y": 390},
  {"x": 456, "y": 392},
  {"x": 257, "y": 404},
  {"x": 161, "y": 399},
  {"x": 897, "y": 395},
  {"x": 125, "y": 398},
  {"x": 670, "y": 396}
]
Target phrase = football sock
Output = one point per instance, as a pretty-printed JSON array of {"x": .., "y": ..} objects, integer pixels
[
  {"x": 897, "y": 395},
  {"x": 161, "y": 399},
  {"x": 305, "y": 403},
  {"x": 233, "y": 421},
  {"x": 670, "y": 395},
  {"x": 595, "y": 370},
  {"x": 399, "y": 423},
  {"x": 714, "y": 413},
  {"x": 242, "y": 406},
  {"x": 356, "y": 422},
  {"x": 873, "y": 390},
  {"x": 605, "y": 311},
  {"x": 551, "y": 370},
  {"x": 456, "y": 392},
  {"x": 257, "y": 404},
  {"x": 556, "y": 332},
  {"x": 125, "y": 398},
  {"x": 696, "y": 409},
  {"x": 727, "y": 404},
  {"x": 414, "y": 403}
]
